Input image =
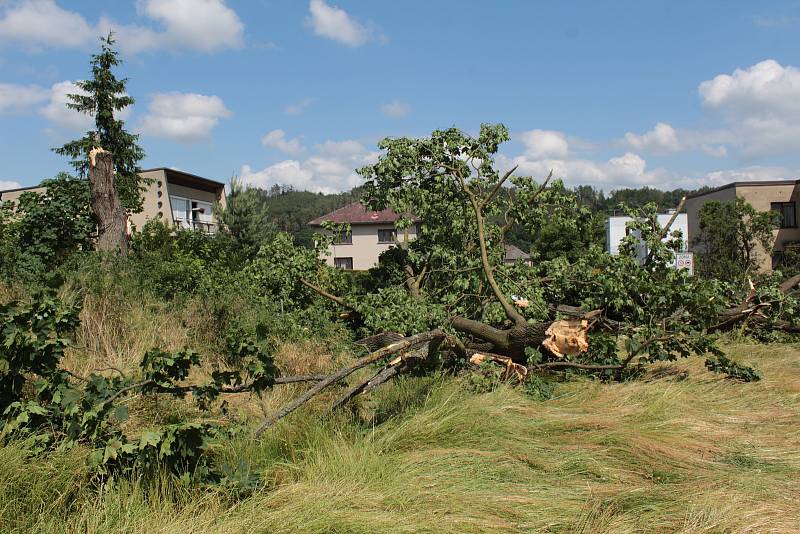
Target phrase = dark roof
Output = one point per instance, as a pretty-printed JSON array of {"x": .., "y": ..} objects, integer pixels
[
  {"x": 357, "y": 213},
  {"x": 744, "y": 184},
  {"x": 175, "y": 173},
  {"x": 171, "y": 173},
  {"x": 514, "y": 253},
  {"x": 19, "y": 189}
]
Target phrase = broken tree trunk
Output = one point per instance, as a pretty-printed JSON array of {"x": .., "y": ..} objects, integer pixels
[
  {"x": 511, "y": 342},
  {"x": 111, "y": 219}
]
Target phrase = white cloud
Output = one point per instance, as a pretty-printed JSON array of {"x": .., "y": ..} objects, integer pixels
[
  {"x": 540, "y": 144},
  {"x": 753, "y": 173},
  {"x": 329, "y": 169},
  {"x": 202, "y": 25},
  {"x": 183, "y": 117},
  {"x": 766, "y": 88},
  {"x": 43, "y": 22},
  {"x": 57, "y": 112},
  {"x": 17, "y": 98},
  {"x": 627, "y": 170},
  {"x": 760, "y": 105},
  {"x": 547, "y": 150},
  {"x": 5, "y": 184},
  {"x": 299, "y": 107},
  {"x": 277, "y": 139},
  {"x": 335, "y": 23},
  {"x": 395, "y": 109},
  {"x": 662, "y": 138}
]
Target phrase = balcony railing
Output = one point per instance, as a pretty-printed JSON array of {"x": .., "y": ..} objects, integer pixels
[{"x": 201, "y": 226}]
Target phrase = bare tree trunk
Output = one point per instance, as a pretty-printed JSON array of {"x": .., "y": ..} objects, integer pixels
[{"x": 111, "y": 218}]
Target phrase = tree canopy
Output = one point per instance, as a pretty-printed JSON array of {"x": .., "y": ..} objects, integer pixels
[{"x": 103, "y": 96}]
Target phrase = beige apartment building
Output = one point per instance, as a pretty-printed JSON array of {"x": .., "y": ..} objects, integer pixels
[
  {"x": 175, "y": 197},
  {"x": 782, "y": 196}
]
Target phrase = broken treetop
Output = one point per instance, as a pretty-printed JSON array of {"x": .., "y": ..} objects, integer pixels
[{"x": 357, "y": 213}]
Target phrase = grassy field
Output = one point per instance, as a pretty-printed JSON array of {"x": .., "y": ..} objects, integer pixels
[{"x": 680, "y": 450}]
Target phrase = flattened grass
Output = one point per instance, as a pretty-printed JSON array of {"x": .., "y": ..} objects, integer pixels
[{"x": 681, "y": 450}]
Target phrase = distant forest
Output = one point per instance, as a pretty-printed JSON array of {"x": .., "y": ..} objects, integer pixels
[{"x": 290, "y": 210}]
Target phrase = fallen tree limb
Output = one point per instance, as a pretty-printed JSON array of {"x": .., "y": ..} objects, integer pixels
[
  {"x": 392, "y": 369},
  {"x": 373, "y": 357},
  {"x": 333, "y": 298},
  {"x": 184, "y": 390}
]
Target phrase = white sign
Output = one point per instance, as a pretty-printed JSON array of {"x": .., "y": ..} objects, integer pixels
[{"x": 685, "y": 260}]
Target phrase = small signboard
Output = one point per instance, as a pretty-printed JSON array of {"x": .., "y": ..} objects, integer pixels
[{"x": 685, "y": 260}]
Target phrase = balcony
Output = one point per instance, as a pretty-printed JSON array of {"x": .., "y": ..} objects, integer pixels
[{"x": 200, "y": 226}]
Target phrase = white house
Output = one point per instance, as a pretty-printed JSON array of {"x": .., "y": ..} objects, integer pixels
[
  {"x": 372, "y": 233},
  {"x": 617, "y": 229}
]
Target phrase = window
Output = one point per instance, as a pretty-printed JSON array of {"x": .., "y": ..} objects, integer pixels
[
  {"x": 787, "y": 211},
  {"x": 344, "y": 238},
  {"x": 387, "y": 236},
  {"x": 201, "y": 211},
  {"x": 190, "y": 214},
  {"x": 343, "y": 263},
  {"x": 181, "y": 211}
]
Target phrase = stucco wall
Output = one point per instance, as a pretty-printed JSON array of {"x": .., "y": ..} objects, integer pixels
[
  {"x": 13, "y": 196},
  {"x": 155, "y": 205},
  {"x": 760, "y": 197},
  {"x": 365, "y": 248},
  {"x": 693, "y": 206}
]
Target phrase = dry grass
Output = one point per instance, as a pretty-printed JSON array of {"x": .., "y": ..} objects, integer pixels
[{"x": 681, "y": 450}]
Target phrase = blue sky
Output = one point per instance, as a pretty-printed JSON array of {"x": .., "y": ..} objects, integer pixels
[{"x": 611, "y": 94}]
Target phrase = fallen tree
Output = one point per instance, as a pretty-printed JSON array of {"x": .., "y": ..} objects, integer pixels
[{"x": 601, "y": 313}]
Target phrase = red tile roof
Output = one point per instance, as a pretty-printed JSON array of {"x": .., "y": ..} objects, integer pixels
[{"x": 356, "y": 213}]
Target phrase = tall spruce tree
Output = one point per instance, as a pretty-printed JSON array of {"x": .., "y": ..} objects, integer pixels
[{"x": 104, "y": 95}]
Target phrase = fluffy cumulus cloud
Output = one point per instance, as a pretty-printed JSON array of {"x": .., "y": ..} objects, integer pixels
[
  {"x": 760, "y": 106},
  {"x": 758, "y": 109},
  {"x": 542, "y": 144},
  {"x": 277, "y": 139},
  {"x": 546, "y": 150},
  {"x": 57, "y": 112},
  {"x": 330, "y": 168},
  {"x": 202, "y": 25},
  {"x": 18, "y": 98},
  {"x": 43, "y": 22},
  {"x": 335, "y": 23},
  {"x": 664, "y": 139},
  {"x": 395, "y": 109},
  {"x": 183, "y": 117}
]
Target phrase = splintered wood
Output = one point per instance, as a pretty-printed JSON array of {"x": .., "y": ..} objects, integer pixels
[
  {"x": 513, "y": 370},
  {"x": 568, "y": 337}
]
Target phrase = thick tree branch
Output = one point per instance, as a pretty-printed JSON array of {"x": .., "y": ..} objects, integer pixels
[
  {"x": 323, "y": 293},
  {"x": 345, "y": 371}
]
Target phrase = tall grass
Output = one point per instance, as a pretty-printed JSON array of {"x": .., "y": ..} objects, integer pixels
[{"x": 681, "y": 450}]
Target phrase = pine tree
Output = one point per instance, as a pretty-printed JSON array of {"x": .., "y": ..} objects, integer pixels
[{"x": 105, "y": 95}]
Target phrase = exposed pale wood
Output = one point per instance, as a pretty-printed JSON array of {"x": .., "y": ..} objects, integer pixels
[{"x": 111, "y": 218}]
